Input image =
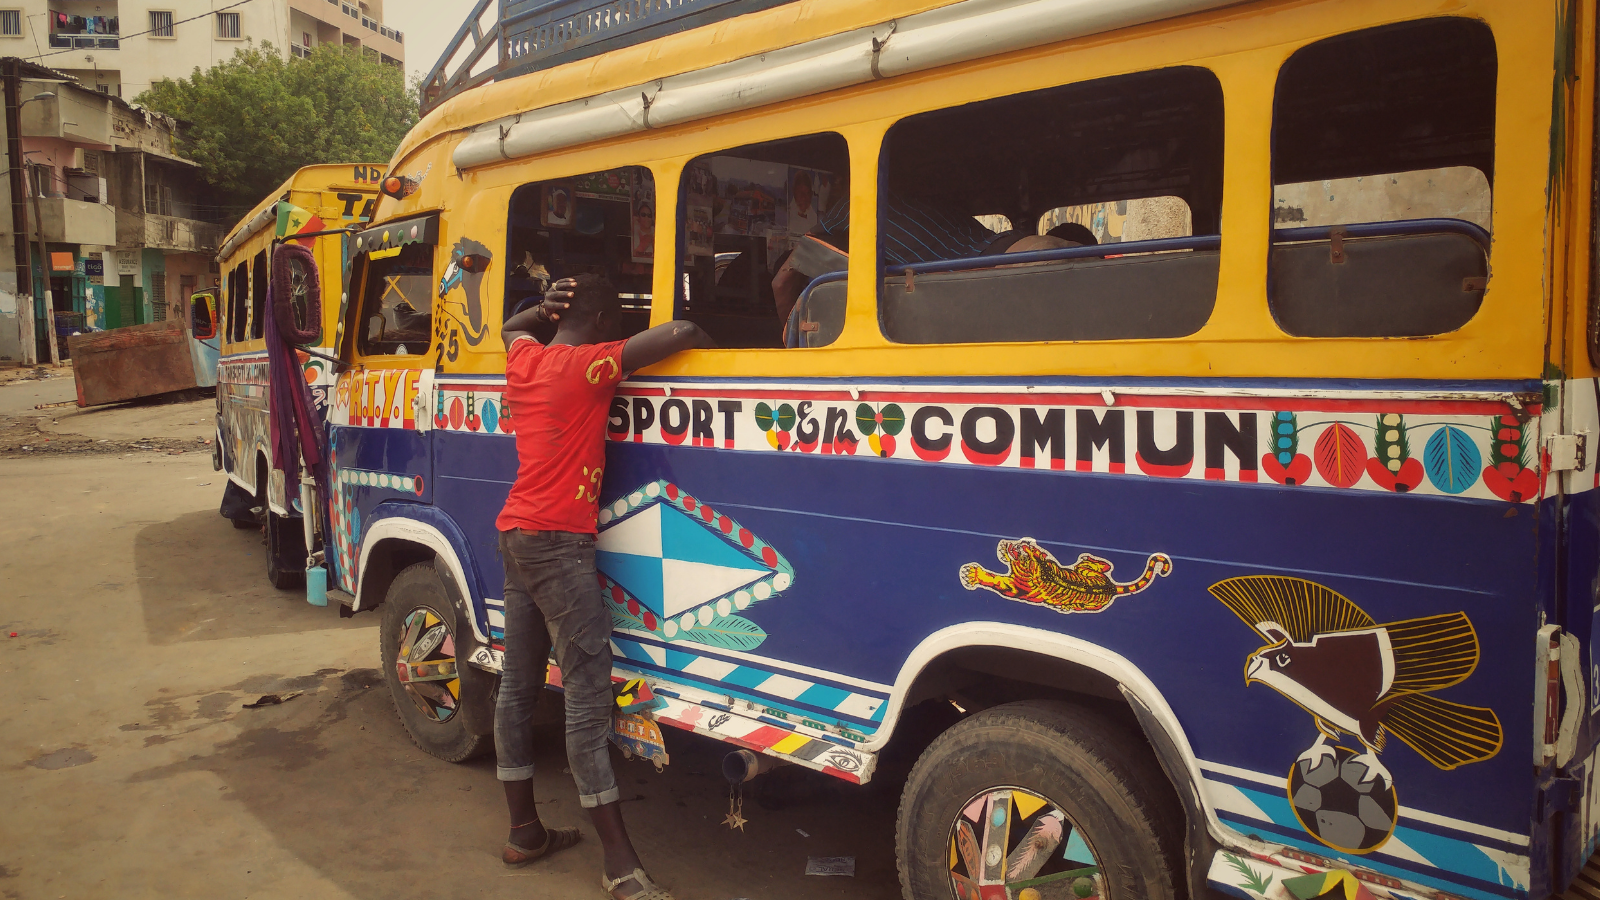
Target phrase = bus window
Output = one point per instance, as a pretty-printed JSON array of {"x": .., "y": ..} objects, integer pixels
[
  {"x": 238, "y": 310},
  {"x": 1141, "y": 142},
  {"x": 1382, "y": 164},
  {"x": 258, "y": 296},
  {"x": 743, "y": 214},
  {"x": 601, "y": 223},
  {"x": 397, "y": 301}
]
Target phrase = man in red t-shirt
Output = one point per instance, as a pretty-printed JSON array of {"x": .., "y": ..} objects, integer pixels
[{"x": 560, "y": 395}]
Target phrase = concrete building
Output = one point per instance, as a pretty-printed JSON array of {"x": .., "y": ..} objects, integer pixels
[
  {"x": 121, "y": 213},
  {"x": 121, "y": 47}
]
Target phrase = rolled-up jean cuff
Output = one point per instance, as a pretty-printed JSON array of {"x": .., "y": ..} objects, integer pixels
[
  {"x": 520, "y": 773},
  {"x": 590, "y": 801}
]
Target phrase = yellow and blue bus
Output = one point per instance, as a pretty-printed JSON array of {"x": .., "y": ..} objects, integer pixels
[
  {"x": 316, "y": 202},
  {"x": 1240, "y": 528}
]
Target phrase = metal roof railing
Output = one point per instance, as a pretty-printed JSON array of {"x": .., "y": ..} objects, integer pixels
[{"x": 529, "y": 35}]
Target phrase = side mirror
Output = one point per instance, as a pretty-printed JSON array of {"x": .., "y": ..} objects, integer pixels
[
  {"x": 296, "y": 294},
  {"x": 202, "y": 316}
]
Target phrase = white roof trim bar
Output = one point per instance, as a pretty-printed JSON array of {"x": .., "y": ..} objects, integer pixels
[{"x": 961, "y": 32}]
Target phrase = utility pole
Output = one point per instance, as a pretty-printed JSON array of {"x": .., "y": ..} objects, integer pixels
[
  {"x": 19, "y": 211},
  {"x": 44, "y": 266}
]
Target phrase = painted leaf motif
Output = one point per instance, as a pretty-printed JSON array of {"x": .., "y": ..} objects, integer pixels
[
  {"x": 894, "y": 419},
  {"x": 866, "y": 419},
  {"x": 785, "y": 418},
  {"x": 1452, "y": 460},
  {"x": 764, "y": 417},
  {"x": 728, "y": 633},
  {"x": 1341, "y": 457}
]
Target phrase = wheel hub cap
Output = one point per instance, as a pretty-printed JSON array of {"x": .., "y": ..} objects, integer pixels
[
  {"x": 426, "y": 665},
  {"x": 1012, "y": 844}
]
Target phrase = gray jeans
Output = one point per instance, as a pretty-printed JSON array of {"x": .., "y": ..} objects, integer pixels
[{"x": 553, "y": 599}]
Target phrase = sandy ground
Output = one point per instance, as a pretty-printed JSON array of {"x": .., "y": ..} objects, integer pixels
[{"x": 129, "y": 767}]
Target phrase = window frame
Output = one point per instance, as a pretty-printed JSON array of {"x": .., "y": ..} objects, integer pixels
[
  {"x": 1173, "y": 70},
  {"x": 238, "y": 26},
  {"x": 1300, "y": 239},
  {"x": 361, "y": 271},
  {"x": 163, "y": 32},
  {"x": 17, "y": 13}
]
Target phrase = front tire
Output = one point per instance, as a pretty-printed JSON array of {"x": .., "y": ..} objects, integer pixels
[
  {"x": 417, "y": 635},
  {"x": 1092, "y": 803}
]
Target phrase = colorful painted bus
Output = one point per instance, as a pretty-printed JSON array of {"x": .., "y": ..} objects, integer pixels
[
  {"x": 1247, "y": 527},
  {"x": 317, "y": 200}
]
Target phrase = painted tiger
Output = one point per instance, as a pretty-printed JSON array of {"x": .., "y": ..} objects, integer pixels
[{"x": 1034, "y": 576}]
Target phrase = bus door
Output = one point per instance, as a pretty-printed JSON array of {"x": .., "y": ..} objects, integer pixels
[{"x": 380, "y": 412}]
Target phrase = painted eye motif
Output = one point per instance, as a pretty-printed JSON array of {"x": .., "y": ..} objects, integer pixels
[{"x": 1282, "y": 659}]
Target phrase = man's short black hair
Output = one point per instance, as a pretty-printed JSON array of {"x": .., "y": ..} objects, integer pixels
[{"x": 594, "y": 294}]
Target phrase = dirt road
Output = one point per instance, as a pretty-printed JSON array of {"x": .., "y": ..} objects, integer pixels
[{"x": 129, "y": 767}]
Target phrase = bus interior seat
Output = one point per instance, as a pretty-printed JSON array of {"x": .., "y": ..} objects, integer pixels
[
  {"x": 1403, "y": 285},
  {"x": 1151, "y": 295}
]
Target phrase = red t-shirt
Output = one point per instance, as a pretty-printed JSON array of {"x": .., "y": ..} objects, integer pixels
[{"x": 560, "y": 396}]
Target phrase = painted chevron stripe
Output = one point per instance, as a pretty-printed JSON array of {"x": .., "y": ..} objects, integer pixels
[
  {"x": 1465, "y": 868},
  {"x": 786, "y": 693},
  {"x": 698, "y": 711}
]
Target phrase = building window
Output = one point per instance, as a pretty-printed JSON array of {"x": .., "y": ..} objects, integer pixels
[
  {"x": 10, "y": 23},
  {"x": 161, "y": 23},
  {"x": 158, "y": 296},
  {"x": 305, "y": 39},
  {"x": 228, "y": 25}
]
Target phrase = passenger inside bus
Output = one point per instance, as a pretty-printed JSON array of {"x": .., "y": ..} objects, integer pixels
[{"x": 598, "y": 223}]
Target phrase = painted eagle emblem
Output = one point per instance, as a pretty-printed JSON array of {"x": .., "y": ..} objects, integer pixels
[{"x": 1361, "y": 678}]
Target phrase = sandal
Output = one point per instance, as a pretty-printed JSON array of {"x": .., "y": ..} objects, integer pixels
[
  {"x": 554, "y": 839},
  {"x": 648, "y": 890}
]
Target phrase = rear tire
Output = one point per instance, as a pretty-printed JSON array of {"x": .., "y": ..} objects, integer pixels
[
  {"x": 1109, "y": 790},
  {"x": 414, "y": 610}
]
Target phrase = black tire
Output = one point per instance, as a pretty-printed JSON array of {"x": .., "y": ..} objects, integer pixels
[
  {"x": 417, "y": 589},
  {"x": 286, "y": 552},
  {"x": 1107, "y": 783}
]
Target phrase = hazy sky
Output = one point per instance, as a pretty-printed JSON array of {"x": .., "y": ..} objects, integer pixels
[{"x": 428, "y": 25}]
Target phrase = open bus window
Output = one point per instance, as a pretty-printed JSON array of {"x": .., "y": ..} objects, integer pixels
[
  {"x": 397, "y": 301},
  {"x": 258, "y": 296},
  {"x": 600, "y": 223},
  {"x": 744, "y": 213},
  {"x": 1061, "y": 159},
  {"x": 1382, "y": 164},
  {"x": 238, "y": 304}
]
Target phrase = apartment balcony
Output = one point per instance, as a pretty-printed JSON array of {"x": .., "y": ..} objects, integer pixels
[
  {"x": 77, "y": 25},
  {"x": 76, "y": 221},
  {"x": 355, "y": 25},
  {"x": 170, "y": 233},
  {"x": 79, "y": 116}
]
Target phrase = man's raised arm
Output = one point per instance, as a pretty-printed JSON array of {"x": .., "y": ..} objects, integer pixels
[{"x": 650, "y": 347}]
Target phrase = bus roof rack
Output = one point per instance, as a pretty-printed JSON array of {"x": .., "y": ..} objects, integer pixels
[{"x": 530, "y": 35}]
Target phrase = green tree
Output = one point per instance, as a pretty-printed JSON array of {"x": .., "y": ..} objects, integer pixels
[{"x": 258, "y": 117}]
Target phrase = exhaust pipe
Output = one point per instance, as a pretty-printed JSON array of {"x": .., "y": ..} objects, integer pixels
[{"x": 741, "y": 766}]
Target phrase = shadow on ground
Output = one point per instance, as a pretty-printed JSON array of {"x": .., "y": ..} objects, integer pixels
[
  {"x": 334, "y": 778},
  {"x": 201, "y": 579}
]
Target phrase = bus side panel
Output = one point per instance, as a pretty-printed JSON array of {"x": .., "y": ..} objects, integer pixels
[
  {"x": 473, "y": 474},
  {"x": 242, "y": 406},
  {"x": 881, "y": 554}
]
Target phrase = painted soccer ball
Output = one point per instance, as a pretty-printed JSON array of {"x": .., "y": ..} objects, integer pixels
[{"x": 1333, "y": 804}]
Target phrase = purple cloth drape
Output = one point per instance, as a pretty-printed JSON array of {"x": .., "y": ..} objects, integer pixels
[{"x": 296, "y": 432}]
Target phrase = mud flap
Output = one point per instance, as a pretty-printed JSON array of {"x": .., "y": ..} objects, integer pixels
[
  {"x": 237, "y": 503},
  {"x": 478, "y": 687}
]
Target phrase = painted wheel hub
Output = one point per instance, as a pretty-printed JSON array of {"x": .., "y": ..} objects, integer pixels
[
  {"x": 1014, "y": 844},
  {"x": 426, "y": 665}
]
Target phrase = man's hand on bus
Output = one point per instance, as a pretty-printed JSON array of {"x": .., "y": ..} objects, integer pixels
[
  {"x": 652, "y": 346},
  {"x": 555, "y": 302}
]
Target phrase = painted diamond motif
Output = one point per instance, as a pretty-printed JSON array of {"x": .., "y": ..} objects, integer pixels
[{"x": 681, "y": 571}]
